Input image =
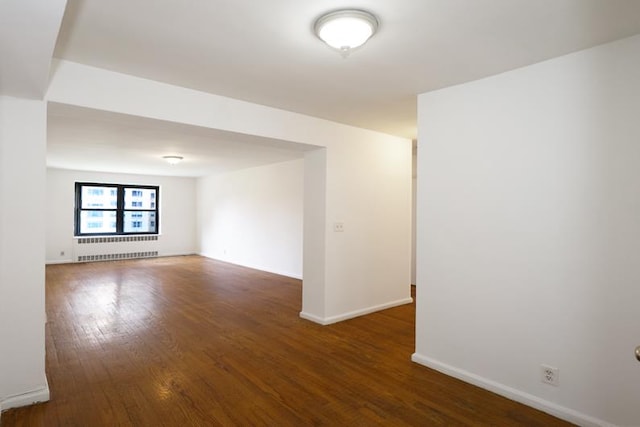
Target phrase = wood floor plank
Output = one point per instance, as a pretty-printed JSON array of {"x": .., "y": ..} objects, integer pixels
[{"x": 188, "y": 341}]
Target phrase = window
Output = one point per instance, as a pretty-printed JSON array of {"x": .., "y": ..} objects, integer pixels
[{"x": 104, "y": 209}]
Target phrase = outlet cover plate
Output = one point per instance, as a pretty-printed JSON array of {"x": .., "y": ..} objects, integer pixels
[{"x": 550, "y": 375}]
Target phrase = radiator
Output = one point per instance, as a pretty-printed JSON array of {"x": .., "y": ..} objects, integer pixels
[{"x": 113, "y": 248}]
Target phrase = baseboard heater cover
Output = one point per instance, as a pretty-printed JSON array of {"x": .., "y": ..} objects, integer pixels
[
  {"x": 115, "y": 257},
  {"x": 116, "y": 239}
]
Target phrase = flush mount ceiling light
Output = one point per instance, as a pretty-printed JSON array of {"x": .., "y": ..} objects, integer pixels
[
  {"x": 173, "y": 160},
  {"x": 346, "y": 29}
]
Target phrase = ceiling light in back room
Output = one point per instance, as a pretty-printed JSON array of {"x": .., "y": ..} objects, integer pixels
[
  {"x": 346, "y": 30},
  {"x": 173, "y": 160}
]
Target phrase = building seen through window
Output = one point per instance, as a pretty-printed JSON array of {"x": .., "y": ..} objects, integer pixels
[{"x": 104, "y": 209}]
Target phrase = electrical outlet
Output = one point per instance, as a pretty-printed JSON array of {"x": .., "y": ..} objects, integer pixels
[
  {"x": 550, "y": 375},
  {"x": 338, "y": 227}
]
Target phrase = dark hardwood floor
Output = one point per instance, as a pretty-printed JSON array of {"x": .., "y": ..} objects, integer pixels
[{"x": 189, "y": 341}]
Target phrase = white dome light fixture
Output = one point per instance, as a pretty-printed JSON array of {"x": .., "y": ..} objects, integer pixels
[
  {"x": 346, "y": 29},
  {"x": 173, "y": 160}
]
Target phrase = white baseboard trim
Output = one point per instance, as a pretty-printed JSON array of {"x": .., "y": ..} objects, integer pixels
[
  {"x": 24, "y": 399},
  {"x": 59, "y": 261},
  {"x": 313, "y": 318},
  {"x": 175, "y": 254},
  {"x": 513, "y": 394},
  {"x": 253, "y": 267},
  {"x": 355, "y": 313}
]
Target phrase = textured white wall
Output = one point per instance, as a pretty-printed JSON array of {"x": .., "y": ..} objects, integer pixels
[
  {"x": 22, "y": 231},
  {"x": 253, "y": 217},
  {"x": 529, "y": 233},
  {"x": 177, "y": 211}
]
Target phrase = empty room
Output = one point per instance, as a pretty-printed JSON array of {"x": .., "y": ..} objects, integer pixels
[{"x": 319, "y": 213}]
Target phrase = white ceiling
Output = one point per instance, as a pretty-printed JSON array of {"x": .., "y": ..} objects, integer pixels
[
  {"x": 265, "y": 52},
  {"x": 84, "y": 139}
]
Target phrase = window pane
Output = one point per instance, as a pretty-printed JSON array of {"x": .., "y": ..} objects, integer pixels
[
  {"x": 139, "y": 198},
  {"x": 139, "y": 222},
  {"x": 99, "y": 197},
  {"x": 97, "y": 222},
  {"x": 107, "y": 209}
]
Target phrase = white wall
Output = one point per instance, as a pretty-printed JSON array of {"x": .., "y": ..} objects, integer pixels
[
  {"x": 28, "y": 35},
  {"x": 315, "y": 235},
  {"x": 22, "y": 207},
  {"x": 177, "y": 211},
  {"x": 253, "y": 217},
  {"x": 414, "y": 194},
  {"x": 529, "y": 233},
  {"x": 368, "y": 190},
  {"x": 365, "y": 177}
]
